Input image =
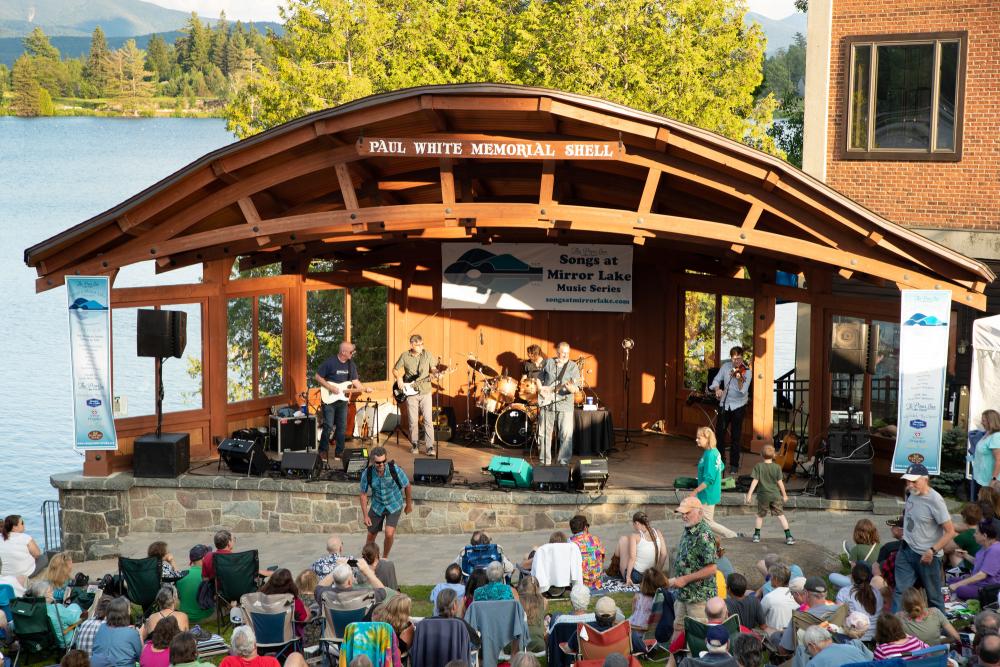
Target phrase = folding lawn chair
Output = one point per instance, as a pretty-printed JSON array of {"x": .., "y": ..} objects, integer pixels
[
  {"x": 272, "y": 618},
  {"x": 236, "y": 574},
  {"x": 141, "y": 578}
]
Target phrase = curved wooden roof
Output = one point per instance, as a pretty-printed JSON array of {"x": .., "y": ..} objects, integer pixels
[{"x": 302, "y": 190}]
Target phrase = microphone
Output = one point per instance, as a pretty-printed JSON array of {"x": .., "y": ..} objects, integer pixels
[{"x": 481, "y": 338}]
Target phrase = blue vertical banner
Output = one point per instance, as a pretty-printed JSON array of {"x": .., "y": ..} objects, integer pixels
[
  {"x": 923, "y": 362},
  {"x": 90, "y": 349}
]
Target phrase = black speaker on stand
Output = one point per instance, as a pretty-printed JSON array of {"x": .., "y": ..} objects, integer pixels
[{"x": 160, "y": 334}]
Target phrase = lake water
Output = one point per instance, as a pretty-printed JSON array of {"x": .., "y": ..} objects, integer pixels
[{"x": 55, "y": 173}]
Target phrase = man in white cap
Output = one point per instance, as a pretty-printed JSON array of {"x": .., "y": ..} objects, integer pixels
[
  {"x": 606, "y": 614},
  {"x": 694, "y": 565},
  {"x": 927, "y": 528}
]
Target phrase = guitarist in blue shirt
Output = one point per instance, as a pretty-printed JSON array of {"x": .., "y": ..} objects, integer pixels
[
  {"x": 557, "y": 385},
  {"x": 338, "y": 375}
]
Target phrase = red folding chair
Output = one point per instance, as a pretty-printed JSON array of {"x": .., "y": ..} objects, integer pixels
[{"x": 596, "y": 645}]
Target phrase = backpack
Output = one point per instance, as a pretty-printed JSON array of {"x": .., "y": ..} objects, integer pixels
[
  {"x": 206, "y": 594},
  {"x": 370, "y": 471}
]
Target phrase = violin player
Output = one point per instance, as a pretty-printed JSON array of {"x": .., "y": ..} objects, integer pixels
[{"x": 732, "y": 387}]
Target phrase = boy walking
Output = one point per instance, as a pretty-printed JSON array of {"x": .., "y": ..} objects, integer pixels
[{"x": 771, "y": 493}]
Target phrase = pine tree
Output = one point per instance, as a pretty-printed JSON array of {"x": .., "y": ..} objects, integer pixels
[
  {"x": 158, "y": 57},
  {"x": 50, "y": 71},
  {"x": 135, "y": 88},
  {"x": 234, "y": 52},
  {"x": 95, "y": 73},
  {"x": 4, "y": 84},
  {"x": 27, "y": 92},
  {"x": 37, "y": 44},
  {"x": 45, "y": 106},
  {"x": 219, "y": 43},
  {"x": 193, "y": 49}
]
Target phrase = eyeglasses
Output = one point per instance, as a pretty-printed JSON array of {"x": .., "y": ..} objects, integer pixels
[{"x": 380, "y": 463}]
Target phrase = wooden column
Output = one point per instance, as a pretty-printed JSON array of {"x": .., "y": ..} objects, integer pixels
[
  {"x": 763, "y": 370},
  {"x": 215, "y": 273},
  {"x": 296, "y": 363},
  {"x": 819, "y": 285}
]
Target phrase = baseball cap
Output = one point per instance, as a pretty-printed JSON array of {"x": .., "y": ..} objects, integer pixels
[
  {"x": 198, "y": 552},
  {"x": 606, "y": 607},
  {"x": 816, "y": 585},
  {"x": 688, "y": 504},
  {"x": 797, "y": 585},
  {"x": 915, "y": 472},
  {"x": 895, "y": 523},
  {"x": 716, "y": 636}
]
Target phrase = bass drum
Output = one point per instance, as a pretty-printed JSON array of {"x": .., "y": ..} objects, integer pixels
[{"x": 514, "y": 427}]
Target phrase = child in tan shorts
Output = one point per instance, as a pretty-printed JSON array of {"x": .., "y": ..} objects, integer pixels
[{"x": 767, "y": 479}]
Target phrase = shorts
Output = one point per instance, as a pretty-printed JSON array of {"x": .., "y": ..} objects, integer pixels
[
  {"x": 682, "y": 610},
  {"x": 775, "y": 507},
  {"x": 389, "y": 518}
]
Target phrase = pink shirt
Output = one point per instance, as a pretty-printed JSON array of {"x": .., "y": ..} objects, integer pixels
[{"x": 151, "y": 658}]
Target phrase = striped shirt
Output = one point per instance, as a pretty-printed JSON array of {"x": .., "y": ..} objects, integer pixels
[{"x": 889, "y": 650}]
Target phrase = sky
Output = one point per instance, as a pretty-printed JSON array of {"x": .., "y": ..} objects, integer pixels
[{"x": 267, "y": 10}]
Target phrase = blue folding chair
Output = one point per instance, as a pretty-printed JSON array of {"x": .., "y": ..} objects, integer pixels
[
  {"x": 272, "y": 618},
  {"x": 339, "y": 611},
  {"x": 7, "y": 596},
  {"x": 479, "y": 556}
]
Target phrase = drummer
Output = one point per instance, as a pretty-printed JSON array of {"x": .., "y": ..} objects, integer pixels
[{"x": 532, "y": 366}]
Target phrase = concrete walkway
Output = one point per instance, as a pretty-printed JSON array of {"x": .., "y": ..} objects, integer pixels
[{"x": 422, "y": 559}]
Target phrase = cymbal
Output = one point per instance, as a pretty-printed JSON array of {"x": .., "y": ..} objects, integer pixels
[{"x": 482, "y": 368}]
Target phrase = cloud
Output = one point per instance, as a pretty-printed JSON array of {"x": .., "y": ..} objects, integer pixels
[{"x": 245, "y": 10}]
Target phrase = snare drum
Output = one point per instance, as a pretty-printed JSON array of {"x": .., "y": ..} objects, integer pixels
[
  {"x": 528, "y": 390},
  {"x": 487, "y": 399}
]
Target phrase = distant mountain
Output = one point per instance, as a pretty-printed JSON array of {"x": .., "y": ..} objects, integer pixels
[
  {"x": 118, "y": 18},
  {"x": 780, "y": 33}
]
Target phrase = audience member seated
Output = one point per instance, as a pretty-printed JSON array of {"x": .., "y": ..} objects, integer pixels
[
  {"x": 778, "y": 604},
  {"x": 861, "y": 596},
  {"x": 525, "y": 659},
  {"x": 926, "y": 623},
  {"x": 579, "y": 598},
  {"x": 476, "y": 580},
  {"x": 819, "y": 644},
  {"x": 341, "y": 580},
  {"x": 744, "y": 603},
  {"x": 74, "y": 658},
  {"x": 384, "y": 569},
  {"x": 156, "y": 651},
  {"x": 160, "y": 550},
  {"x": 184, "y": 652},
  {"x": 86, "y": 631},
  {"x": 396, "y": 612},
  {"x": 988, "y": 500},
  {"x": 865, "y": 550},
  {"x": 887, "y": 556},
  {"x": 960, "y": 553},
  {"x": 496, "y": 588},
  {"x": 334, "y": 557},
  {"x": 639, "y": 550},
  {"x": 642, "y": 602},
  {"x": 857, "y": 625},
  {"x": 797, "y": 587},
  {"x": 166, "y": 603},
  {"x": 535, "y": 604},
  {"x": 764, "y": 567},
  {"x": 59, "y": 574},
  {"x": 606, "y": 613},
  {"x": 245, "y": 652},
  {"x": 558, "y": 537},
  {"x": 988, "y": 652},
  {"x": 117, "y": 643},
  {"x": 717, "y": 653},
  {"x": 482, "y": 538},
  {"x": 452, "y": 580},
  {"x": 716, "y": 613},
  {"x": 64, "y": 617},
  {"x": 986, "y": 622},
  {"x": 591, "y": 550},
  {"x": 891, "y": 639},
  {"x": 187, "y": 587},
  {"x": 224, "y": 542},
  {"x": 281, "y": 583},
  {"x": 747, "y": 650},
  {"x": 556, "y": 565},
  {"x": 449, "y": 605},
  {"x": 986, "y": 567},
  {"x": 306, "y": 582},
  {"x": 18, "y": 554}
]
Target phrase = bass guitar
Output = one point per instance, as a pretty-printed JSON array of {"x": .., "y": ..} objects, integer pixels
[{"x": 347, "y": 389}]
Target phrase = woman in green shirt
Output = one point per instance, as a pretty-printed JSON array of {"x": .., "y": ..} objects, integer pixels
[
  {"x": 184, "y": 652},
  {"x": 928, "y": 624},
  {"x": 709, "y": 489},
  {"x": 864, "y": 550}
]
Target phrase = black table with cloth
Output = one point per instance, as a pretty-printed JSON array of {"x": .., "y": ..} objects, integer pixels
[{"x": 593, "y": 432}]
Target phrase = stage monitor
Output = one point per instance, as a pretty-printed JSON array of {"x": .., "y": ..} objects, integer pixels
[
  {"x": 509, "y": 472},
  {"x": 432, "y": 471},
  {"x": 354, "y": 461},
  {"x": 590, "y": 474}
]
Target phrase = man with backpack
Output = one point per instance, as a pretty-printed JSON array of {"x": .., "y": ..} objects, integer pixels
[{"x": 383, "y": 487}]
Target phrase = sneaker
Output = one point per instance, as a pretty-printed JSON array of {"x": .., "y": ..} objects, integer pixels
[
  {"x": 414, "y": 450},
  {"x": 756, "y": 538},
  {"x": 430, "y": 452},
  {"x": 789, "y": 540}
]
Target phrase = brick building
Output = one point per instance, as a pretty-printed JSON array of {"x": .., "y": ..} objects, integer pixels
[{"x": 902, "y": 114}]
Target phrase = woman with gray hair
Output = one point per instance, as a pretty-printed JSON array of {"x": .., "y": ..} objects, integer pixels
[
  {"x": 167, "y": 602},
  {"x": 245, "y": 654},
  {"x": 117, "y": 643},
  {"x": 497, "y": 588}
]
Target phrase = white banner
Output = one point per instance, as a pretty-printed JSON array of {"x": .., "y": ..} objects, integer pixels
[
  {"x": 923, "y": 362},
  {"x": 90, "y": 350},
  {"x": 536, "y": 276}
]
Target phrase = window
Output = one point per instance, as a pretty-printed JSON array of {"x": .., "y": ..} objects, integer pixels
[
  {"x": 255, "y": 345},
  {"x": 325, "y": 327},
  {"x": 905, "y": 97},
  {"x": 134, "y": 377},
  {"x": 709, "y": 337},
  {"x": 182, "y": 378}
]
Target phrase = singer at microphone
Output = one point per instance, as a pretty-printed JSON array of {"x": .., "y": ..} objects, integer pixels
[
  {"x": 559, "y": 378},
  {"x": 732, "y": 387}
]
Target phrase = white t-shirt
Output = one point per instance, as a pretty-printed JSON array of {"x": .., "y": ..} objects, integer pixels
[
  {"x": 17, "y": 560},
  {"x": 778, "y": 607}
]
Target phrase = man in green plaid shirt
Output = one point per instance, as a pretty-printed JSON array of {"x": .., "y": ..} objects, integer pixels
[{"x": 695, "y": 565}]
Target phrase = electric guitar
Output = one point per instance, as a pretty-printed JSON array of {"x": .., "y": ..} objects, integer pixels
[
  {"x": 346, "y": 390},
  {"x": 549, "y": 395},
  {"x": 407, "y": 390}
]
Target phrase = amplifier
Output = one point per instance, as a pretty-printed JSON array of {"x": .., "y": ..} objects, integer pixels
[
  {"x": 847, "y": 479},
  {"x": 354, "y": 461},
  {"x": 432, "y": 471},
  {"x": 166, "y": 455},
  {"x": 292, "y": 433},
  {"x": 301, "y": 465},
  {"x": 510, "y": 472},
  {"x": 244, "y": 456},
  {"x": 590, "y": 474},
  {"x": 550, "y": 478}
]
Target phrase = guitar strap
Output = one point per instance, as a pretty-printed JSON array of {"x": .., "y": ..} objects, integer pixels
[{"x": 562, "y": 372}]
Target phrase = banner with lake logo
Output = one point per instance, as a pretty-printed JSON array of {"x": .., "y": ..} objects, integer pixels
[
  {"x": 536, "y": 276},
  {"x": 90, "y": 349},
  {"x": 923, "y": 361}
]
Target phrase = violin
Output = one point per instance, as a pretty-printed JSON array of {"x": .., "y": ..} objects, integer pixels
[{"x": 740, "y": 371}]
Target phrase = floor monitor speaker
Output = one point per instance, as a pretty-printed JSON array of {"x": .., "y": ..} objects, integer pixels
[
  {"x": 509, "y": 472},
  {"x": 301, "y": 465},
  {"x": 550, "y": 478},
  {"x": 165, "y": 455},
  {"x": 847, "y": 479},
  {"x": 354, "y": 461},
  {"x": 590, "y": 474},
  {"x": 246, "y": 457},
  {"x": 433, "y": 471}
]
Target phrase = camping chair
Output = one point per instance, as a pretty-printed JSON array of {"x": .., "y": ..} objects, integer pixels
[
  {"x": 932, "y": 656},
  {"x": 803, "y": 619},
  {"x": 556, "y": 567},
  {"x": 559, "y": 636},
  {"x": 437, "y": 641},
  {"x": 272, "y": 618},
  {"x": 499, "y": 623},
  {"x": 33, "y": 628},
  {"x": 141, "y": 578},
  {"x": 7, "y": 596},
  {"x": 236, "y": 574},
  {"x": 695, "y": 631},
  {"x": 339, "y": 610},
  {"x": 375, "y": 640},
  {"x": 592, "y": 644},
  {"x": 479, "y": 555}
]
